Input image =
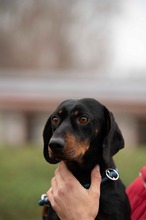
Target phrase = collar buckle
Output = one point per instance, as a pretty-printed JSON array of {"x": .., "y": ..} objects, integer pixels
[{"x": 112, "y": 174}]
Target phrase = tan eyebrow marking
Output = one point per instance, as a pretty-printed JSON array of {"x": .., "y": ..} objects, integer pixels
[
  {"x": 60, "y": 111},
  {"x": 96, "y": 131},
  {"x": 76, "y": 112}
]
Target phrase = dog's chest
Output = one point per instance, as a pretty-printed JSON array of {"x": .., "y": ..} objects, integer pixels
[{"x": 99, "y": 217}]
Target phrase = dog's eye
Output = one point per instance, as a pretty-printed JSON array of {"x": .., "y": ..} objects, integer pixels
[
  {"x": 83, "y": 120},
  {"x": 55, "y": 120}
]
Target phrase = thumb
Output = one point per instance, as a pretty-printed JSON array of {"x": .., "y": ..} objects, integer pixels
[{"x": 95, "y": 180}]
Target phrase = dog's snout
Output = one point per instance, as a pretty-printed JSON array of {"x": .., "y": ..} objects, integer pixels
[{"x": 56, "y": 143}]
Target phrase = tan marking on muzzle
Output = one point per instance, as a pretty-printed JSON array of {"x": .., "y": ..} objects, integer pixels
[{"x": 74, "y": 148}]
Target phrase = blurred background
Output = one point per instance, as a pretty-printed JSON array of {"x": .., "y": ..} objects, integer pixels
[{"x": 52, "y": 50}]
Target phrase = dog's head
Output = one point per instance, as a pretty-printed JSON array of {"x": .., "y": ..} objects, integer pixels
[{"x": 78, "y": 127}]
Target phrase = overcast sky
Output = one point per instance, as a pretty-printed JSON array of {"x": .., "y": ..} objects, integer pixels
[{"x": 129, "y": 39}]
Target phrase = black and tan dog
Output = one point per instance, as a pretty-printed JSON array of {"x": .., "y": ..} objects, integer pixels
[{"x": 84, "y": 133}]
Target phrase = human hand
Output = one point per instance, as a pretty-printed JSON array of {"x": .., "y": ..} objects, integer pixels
[{"x": 70, "y": 199}]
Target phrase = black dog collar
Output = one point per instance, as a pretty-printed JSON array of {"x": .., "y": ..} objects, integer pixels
[{"x": 110, "y": 174}]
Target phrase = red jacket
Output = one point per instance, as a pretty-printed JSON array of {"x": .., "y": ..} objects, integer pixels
[{"x": 136, "y": 192}]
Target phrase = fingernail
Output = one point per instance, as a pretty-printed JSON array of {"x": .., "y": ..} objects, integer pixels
[{"x": 97, "y": 168}]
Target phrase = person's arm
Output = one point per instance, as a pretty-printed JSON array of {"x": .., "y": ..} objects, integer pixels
[{"x": 70, "y": 199}]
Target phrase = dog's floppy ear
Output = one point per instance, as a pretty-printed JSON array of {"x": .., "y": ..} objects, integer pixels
[
  {"x": 113, "y": 140},
  {"x": 47, "y": 134}
]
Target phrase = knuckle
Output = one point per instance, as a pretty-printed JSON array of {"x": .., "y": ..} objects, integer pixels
[
  {"x": 52, "y": 180},
  {"x": 69, "y": 185},
  {"x": 58, "y": 194},
  {"x": 53, "y": 204},
  {"x": 56, "y": 171},
  {"x": 60, "y": 191}
]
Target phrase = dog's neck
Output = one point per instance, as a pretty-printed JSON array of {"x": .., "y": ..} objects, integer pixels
[{"x": 83, "y": 171}]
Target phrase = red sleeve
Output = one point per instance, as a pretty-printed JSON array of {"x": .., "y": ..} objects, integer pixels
[{"x": 136, "y": 192}]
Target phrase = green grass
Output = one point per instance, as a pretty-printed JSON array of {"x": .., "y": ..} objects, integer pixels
[
  {"x": 129, "y": 162},
  {"x": 25, "y": 175}
]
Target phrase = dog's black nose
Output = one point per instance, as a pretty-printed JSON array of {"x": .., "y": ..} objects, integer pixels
[{"x": 56, "y": 143}]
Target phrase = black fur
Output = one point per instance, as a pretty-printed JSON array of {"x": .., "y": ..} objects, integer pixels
[{"x": 87, "y": 122}]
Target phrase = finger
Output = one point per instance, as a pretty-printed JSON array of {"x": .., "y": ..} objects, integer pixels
[
  {"x": 50, "y": 196},
  {"x": 65, "y": 178},
  {"x": 64, "y": 172},
  {"x": 54, "y": 184},
  {"x": 95, "y": 180},
  {"x": 58, "y": 177}
]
